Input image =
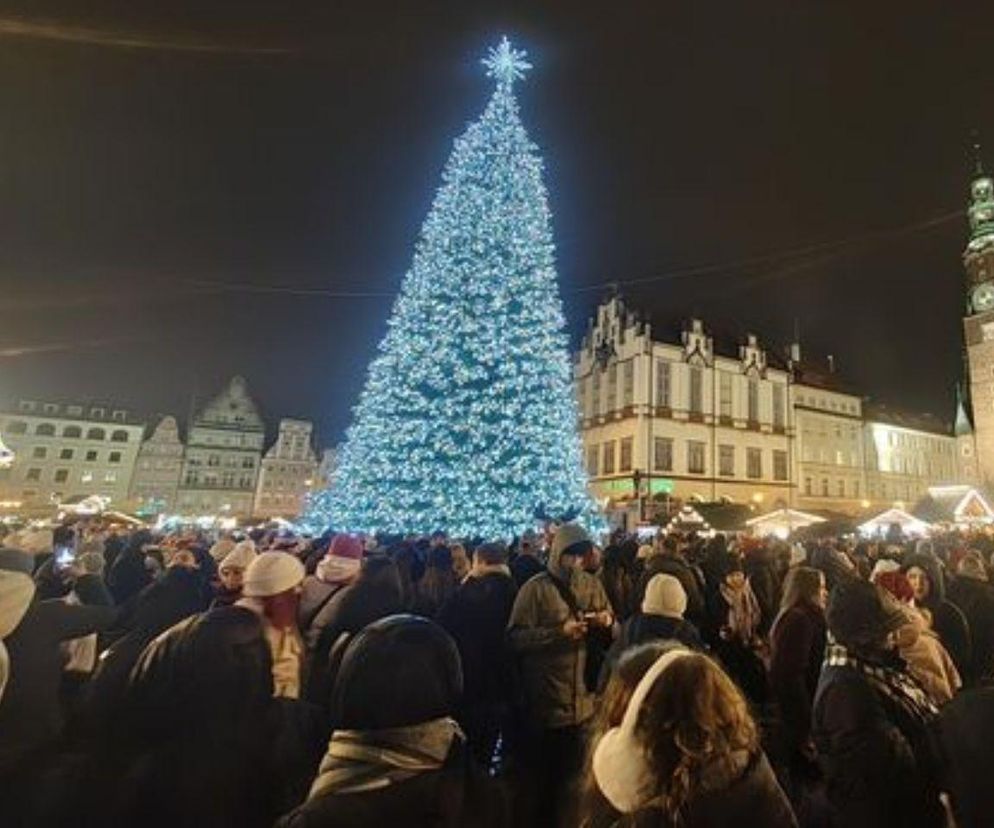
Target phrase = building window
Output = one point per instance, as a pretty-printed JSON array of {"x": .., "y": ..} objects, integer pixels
[
  {"x": 214, "y": 460},
  {"x": 753, "y": 401},
  {"x": 17, "y": 427},
  {"x": 74, "y": 410},
  {"x": 824, "y": 487},
  {"x": 695, "y": 457},
  {"x": 726, "y": 461},
  {"x": 625, "y": 461},
  {"x": 248, "y": 463},
  {"x": 778, "y": 406},
  {"x": 808, "y": 488},
  {"x": 91, "y": 456},
  {"x": 72, "y": 432},
  {"x": 119, "y": 436},
  {"x": 628, "y": 384},
  {"x": 663, "y": 383},
  {"x": 725, "y": 394},
  {"x": 855, "y": 488},
  {"x": 779, "y": 464},
  {"x": 662, "y": 451},
  {"x": 61, "y": 475},
  {"x": 609, "y": 457},
  {"x": 754, "y": 463},
  {"x": 612, "y": 386},
  {"x": 592, "y": 461},
  {"x": 66, "y": 454},
  {"x": 596, "y": 386},
  {"x": 114, "y": 457},
  {"x": 39, "y": 452},
  {"x": 45, "y": 430},
  {"x": 51, "y": 408},
  {"x": 86, "y": 477},
  {"x": 840, "y": 488},
  {"x": 696, "y": 402},
  {"x": 119, "y": 416},
  {"x": 33, "y": 474},
  {"x": 96, "y": 434}
]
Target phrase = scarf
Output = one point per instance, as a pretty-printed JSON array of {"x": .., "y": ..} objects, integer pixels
[
  {"x": 367, "y": 760},
  {"x": 893, "y": 684},
  {"x": 743, "y": 611}
]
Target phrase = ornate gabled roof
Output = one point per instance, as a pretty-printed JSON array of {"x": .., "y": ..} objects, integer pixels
[{"x": 232, "y": 408}]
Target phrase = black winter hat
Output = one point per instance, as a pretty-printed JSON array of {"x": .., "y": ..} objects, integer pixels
[{"x": 858, "y": 616}]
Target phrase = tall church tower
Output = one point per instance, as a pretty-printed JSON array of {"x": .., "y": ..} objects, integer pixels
[{"x": 978, "y": 258}]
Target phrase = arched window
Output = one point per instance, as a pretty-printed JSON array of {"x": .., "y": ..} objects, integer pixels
[
  {"x": 45, "y": 430},
  {"x": 72, "y": 431},
  {"x": 17, "y": 427},
  {"x": 96, "y": 434},
  {"x": 119, "y": 436}
]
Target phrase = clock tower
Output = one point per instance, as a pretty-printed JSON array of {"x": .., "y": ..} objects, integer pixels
[{"x": 978, "y": 259}]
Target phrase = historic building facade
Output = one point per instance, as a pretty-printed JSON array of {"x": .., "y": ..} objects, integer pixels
[
  {"x": 68, "y": 451},
  {"x": 692, "y": 423},
  {"x": 155, "y": 483},
  {"x": 683, "y": 420},
  {"x": 223, "y": 452},
  {"x": 287, "y": 472},
  {"x": 978, "y": 325}
]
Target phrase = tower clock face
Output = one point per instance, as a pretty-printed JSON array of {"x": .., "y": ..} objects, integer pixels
[{"x": 983, "y": 297}]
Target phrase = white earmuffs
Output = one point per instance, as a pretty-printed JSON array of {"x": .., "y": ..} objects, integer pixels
[{"x": 621, "y": 763}]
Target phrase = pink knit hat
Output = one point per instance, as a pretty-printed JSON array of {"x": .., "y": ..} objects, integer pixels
[{"x": 345, "y": 546}]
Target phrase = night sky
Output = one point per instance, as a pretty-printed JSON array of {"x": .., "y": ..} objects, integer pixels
[{"x": 148, "y": 155}]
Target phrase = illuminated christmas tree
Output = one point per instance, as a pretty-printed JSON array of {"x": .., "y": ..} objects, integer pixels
[{"x": 467, "y": 422}]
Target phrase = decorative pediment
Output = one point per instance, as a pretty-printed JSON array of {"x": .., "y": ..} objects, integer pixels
[
  {"x": 752, "y": 357},
  {"x": 698, "y": 348}
]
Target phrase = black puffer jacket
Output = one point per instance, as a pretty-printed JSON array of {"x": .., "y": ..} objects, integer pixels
[
  {"x": 976, "y": 600},
  {"x": 877, "y": 764}
]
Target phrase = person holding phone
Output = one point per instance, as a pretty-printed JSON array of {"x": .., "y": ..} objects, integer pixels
[{"x": 554, "y": 615}]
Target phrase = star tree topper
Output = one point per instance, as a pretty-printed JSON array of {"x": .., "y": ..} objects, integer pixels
[{"x": 505, "y": 63}]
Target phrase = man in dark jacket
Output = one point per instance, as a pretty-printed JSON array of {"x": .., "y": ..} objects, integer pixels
[
  {"x": 871, "y": 720},
  {"x": 971, "y": 592},
  {"x": 476, "y": 618},
  {"x": 668, "y": 557},
  {"x": 963, "y": 735},
  {"x": 525, "y": 563}
]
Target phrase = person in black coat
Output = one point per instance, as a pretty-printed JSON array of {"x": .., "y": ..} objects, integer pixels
[
  {"x": 396, "y": 756},
  {"x": 31, "y": 714},
  {"x": 176, "y": 596},
  {"x": 929, "y": 583},
  {"x": 128, "y": 574},
  {"x": 971, "y": 592},
  {"x": 191, "y": 741},
  {"x": 476, "y": 618},
  {"x": 797, "y": 648},
  {"x": 526, "y": 564},
  {"x": 871, "y": 720},
  {"x": 376, "y": 593},
  {"x": 962, "y": 736}
]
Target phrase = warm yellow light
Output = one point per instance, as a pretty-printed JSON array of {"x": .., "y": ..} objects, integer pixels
[
  {"x": 758, "y": 497},
  {"x": 865, "y": 504}
]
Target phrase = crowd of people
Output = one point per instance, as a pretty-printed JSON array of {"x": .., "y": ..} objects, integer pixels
[{"x": 268, "y": 679}]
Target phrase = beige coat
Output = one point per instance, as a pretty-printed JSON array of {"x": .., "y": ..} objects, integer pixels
[{"x": 552, "y": 665}]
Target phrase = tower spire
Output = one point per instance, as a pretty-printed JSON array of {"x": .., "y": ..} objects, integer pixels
[
  {"x": 978, "y": 158},
  {"x": 962, "y": 425}
]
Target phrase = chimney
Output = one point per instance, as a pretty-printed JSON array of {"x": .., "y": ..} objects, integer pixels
[
  {"x": 831, "y": 364},
  {"x": 795, "y": 352}
]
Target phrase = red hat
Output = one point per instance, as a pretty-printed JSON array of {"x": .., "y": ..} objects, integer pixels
[
  {"x": 345, "y": 546},
  {"x": 897, "y": 584}
]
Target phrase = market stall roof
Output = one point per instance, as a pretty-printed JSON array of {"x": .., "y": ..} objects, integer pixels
[
  {"x": 782, "y": 522},
  {"x": 688, "y": 520},
  {"x": 725, "y": 517},
  {"x": 954, "y": 504},
  {"x": 907, "y": 523}
]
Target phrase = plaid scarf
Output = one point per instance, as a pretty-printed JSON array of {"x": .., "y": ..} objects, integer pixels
[
  {"x": 366, "y": 760},
  {"x": 896, "y": 685}
]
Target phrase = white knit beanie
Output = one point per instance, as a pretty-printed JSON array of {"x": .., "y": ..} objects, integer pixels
[
  {"x": 664, "y": 595},
  {"x": 272, "y": 573},
  {"x": 220, "y": 550},
  {"x": 240, "y": 556}
]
